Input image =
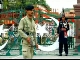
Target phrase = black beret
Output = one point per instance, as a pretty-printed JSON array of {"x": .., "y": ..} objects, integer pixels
[{"x": 29, "y": 7}]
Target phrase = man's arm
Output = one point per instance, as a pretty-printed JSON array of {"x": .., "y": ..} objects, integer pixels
[
  {"x": 20, "y": 29},
  {"x": 35, "y": 37},
  {"x": 67, "y": 27},
  {"x": 58, "y": 29}
]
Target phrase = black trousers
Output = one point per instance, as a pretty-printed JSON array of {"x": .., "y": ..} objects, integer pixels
[{"x": 61, "y": 44}]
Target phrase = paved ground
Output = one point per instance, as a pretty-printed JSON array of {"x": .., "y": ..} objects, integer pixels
[
  {"x": 46, "y": 55},
  {"x": 41, "y": 57}
]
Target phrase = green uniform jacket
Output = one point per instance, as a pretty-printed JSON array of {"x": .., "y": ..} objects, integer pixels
[{"x": 27, "y": 25}]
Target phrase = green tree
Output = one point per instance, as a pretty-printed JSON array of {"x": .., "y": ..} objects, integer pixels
[
  {"x": 5, "y": 4},
  {"x": 18, "y": 4},
  {"x": 22, "y": 3},
  {"x": 37, "y": 2}
]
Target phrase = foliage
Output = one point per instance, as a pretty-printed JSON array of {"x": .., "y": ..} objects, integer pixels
[{"x": 17, "y": 4}]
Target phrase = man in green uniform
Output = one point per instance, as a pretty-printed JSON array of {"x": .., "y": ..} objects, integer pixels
[{"x": 27, "y": 31}]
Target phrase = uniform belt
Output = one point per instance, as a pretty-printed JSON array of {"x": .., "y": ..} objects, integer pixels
[{"x": 28, "y": 33}]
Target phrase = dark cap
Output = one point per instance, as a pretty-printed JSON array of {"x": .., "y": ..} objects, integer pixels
[{"x": 29, "y": 7}]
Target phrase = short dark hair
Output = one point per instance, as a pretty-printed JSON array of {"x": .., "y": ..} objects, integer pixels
[
  {"x": 29, "y": 7},
  {"x": 63, "y": 15}
]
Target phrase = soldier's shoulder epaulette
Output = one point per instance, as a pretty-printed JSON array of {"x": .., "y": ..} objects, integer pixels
[{"x": 23, "y": 18}]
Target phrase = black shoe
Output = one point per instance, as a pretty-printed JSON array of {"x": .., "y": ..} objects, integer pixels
[{"x": 60, "y": 54}]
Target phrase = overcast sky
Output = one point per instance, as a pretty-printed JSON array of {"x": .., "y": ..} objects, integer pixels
[{"x": 59, "y": 4}]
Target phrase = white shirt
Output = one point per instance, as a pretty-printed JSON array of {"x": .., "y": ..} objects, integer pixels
[{"x": 71, "y": 32}]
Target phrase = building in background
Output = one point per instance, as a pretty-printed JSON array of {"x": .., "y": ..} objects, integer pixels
[
  {"x": 70, "y": 13},
  {"x": 77, "y": 13}
]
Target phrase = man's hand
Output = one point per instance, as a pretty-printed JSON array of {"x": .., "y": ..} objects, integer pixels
[
  {"x": 63, "y": 29},
  {"x": 37, "y": 46},
  {"x": 28, "y": 39}
]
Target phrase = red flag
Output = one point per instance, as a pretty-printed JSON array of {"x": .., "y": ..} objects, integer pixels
[{"x": 73, "y": 20}]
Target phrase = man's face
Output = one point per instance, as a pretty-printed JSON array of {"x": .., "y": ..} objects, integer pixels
[
  {"x": 63, "y": 18},
  {"x": 30, "y": 13}
]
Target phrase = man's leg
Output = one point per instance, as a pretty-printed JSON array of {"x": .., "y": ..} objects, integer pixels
[
  {"x": 71, "y": 42},
  {"x": 60, "y": 48},
  {"x": 32, "y": 51},
  {"x": 66, "y": 48},
  {"x": 26, "y": 51}
]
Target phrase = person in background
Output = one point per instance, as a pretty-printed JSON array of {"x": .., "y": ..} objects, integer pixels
[
  {"x": 62, "y": 33},
  {"x": 39, "y": 38}
]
